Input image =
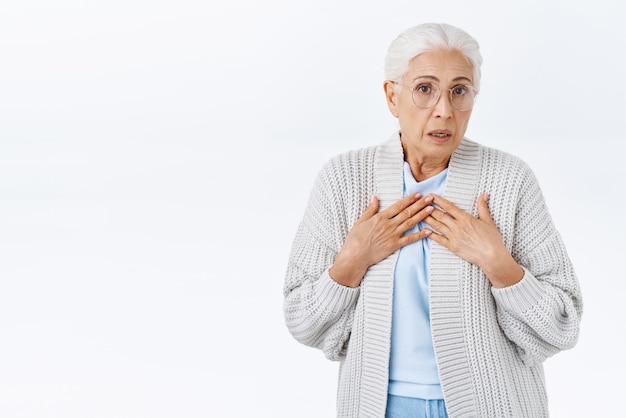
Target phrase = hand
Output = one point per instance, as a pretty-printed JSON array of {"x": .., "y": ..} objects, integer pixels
[
  {"x": 375, "y": 236},
  {"x": 476, "y": 240}
]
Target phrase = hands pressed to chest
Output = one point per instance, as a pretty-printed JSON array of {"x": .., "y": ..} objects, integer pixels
[{"x": 376, "y": 235}]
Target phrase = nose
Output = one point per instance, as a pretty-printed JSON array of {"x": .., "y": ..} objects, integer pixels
[{"x": 443, "y": 107}]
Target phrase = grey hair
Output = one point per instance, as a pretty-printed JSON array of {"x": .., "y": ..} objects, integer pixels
[{"x": 428, "y": 37}]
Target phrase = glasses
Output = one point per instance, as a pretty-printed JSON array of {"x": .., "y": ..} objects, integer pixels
[{"x": 426, "y": 95}]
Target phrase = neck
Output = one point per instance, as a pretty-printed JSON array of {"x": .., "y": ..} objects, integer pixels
[{"x": 423, "y": 170}]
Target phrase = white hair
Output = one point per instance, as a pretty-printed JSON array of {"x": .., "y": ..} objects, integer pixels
[{"x": 428, "y": 37}]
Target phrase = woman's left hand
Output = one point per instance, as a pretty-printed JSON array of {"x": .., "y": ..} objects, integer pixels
[{"x": 476, "y": 240}]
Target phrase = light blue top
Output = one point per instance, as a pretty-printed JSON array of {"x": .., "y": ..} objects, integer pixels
[{"x": 412, "y": 366}]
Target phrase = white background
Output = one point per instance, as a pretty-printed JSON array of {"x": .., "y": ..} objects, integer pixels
[{"x": 156, "y": 157}]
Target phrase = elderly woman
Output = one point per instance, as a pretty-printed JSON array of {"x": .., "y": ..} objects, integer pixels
[{"x": 429, "y": 266}]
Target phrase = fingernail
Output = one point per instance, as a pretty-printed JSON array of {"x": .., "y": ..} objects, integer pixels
[
  {"x": 427, "y": 232},
  {"x": 429, "y": 198}
]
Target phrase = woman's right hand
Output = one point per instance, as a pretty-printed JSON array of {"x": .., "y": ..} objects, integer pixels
[{"x": 375, "y": 236}]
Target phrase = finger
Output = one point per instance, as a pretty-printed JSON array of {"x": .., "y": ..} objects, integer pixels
[
  {"x": 414, "y": 237},
  {"x": 401, "y": 205},
  {"x": 449, "y": 207},
  {"x": 415, "y": 210},
  {"x": 440, "y": 219},
  {"x": 440, "y": 215},
  {"x": 419, "y": 216},
  {"x": 435, "y": 224},
  {"x": 371, "y": 209},
  {"x": 483, "y": 208},
  {"x": 439, "y": 238}
]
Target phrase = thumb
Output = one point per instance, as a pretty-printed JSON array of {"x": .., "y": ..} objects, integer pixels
[
  {"x": 483, "y": 207},
  {"x": 372, "y": 208}
]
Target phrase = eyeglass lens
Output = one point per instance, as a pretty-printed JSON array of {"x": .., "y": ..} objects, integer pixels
[{"x": 427, "y": 95}]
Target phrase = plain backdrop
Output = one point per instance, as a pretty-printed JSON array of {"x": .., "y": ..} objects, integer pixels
[{"x": 157, "y": 156}]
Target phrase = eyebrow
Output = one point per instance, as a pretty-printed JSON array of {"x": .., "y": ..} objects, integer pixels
[{"x": 432, "y": 77}]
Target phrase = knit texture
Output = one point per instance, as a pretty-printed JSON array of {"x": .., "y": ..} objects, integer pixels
[{"x": 490, "y": 343}]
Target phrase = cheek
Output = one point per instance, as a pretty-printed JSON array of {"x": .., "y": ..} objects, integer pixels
[
  {"x": 412, "y": 127},
  {"x": 463, "y": 122},
  {"x": 414, "y": 119}
]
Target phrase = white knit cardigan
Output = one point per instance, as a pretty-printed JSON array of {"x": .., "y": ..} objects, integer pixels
[{"x": 489, "y": 343}]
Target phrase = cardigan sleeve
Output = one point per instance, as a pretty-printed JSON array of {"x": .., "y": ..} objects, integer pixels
[
  {"x": 541, "y": 313},
  {"x": 319, "y": 311}
]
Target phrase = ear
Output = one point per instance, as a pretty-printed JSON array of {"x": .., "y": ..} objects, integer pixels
[{"x": 392, "y": 97}]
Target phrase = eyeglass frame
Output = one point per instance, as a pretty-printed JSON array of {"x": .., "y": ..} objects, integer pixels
[{"x": 439, "y": 90}]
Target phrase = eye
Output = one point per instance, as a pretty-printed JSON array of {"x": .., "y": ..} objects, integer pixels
[
  {"x": 459, "y": 90},
  {"x": 425, "y": 89}
]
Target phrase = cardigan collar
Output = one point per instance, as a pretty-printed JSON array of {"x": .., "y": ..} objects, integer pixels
[{"x": 463, "y": 173}]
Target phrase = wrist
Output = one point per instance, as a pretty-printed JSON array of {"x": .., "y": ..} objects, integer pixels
[
  {"x": 503, "y": 271},
  {"x": 346, "y": 273}
]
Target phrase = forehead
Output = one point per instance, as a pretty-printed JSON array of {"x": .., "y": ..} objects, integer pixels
[{"x": 444, "y": 65}]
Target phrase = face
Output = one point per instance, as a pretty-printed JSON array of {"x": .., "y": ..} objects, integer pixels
[{"x": 431, "y": 135}]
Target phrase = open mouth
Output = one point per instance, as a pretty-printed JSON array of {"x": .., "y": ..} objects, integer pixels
[{"x": 440, "y": 135}]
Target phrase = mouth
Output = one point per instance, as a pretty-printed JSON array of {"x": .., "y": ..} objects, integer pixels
[{"x": 440, "y": 136}]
